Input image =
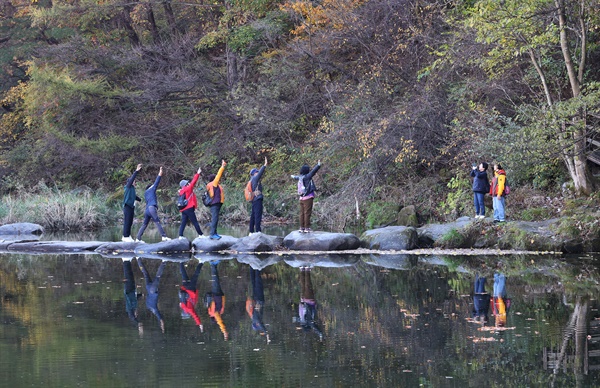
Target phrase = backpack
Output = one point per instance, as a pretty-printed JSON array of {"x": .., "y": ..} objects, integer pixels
[
  {"x": 248, "y": 192},
  {"x": 206, "y": 199},
  {"x": 181, "y": 201},
  {"x": 302, "y": 190},
  {"x": 506, "y": 188}
]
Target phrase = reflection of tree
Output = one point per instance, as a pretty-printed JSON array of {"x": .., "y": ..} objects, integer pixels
[{"x": 575, "y": 329}]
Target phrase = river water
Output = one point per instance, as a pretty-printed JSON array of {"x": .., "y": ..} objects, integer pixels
[{"x": 369, "y": 321}]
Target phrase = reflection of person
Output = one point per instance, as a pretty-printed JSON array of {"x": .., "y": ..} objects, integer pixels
[
  {"x": 481, "y": 185},
  {"x": 152, "y": 209},
  {"x": 129, "y": 199},
  {"x": 306, "y": 191},
  {"x": 188, "y": 294},
  {"x": 215, "y": 300},
  {"x": 257, "y": 202},
  {"x": 255, "y": 304},
  {"x": 307, "y": 309},
  {"x": 131, "y": 295},
  {"x": 215, "y": 190},
  {"x": 481, "y": 300},
  {"x": 500, "y": 303},
  {"x": 152, "y": 291},
  {"x": 497, "y": 193},
  {"x": 188, "y": 213}
]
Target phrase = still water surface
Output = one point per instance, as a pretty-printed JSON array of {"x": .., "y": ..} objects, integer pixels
[{"x": 388, "y": 321}]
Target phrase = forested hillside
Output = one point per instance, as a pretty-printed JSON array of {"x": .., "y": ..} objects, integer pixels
[{"x": 396, "y": 97}]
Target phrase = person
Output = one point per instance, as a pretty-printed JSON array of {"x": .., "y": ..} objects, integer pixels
[
  {"x": 497, "y": 193},
  {"x": 500, "y": 303},
  {"x": 255, "y": 304},
  {"x": 481, "y": 186},
  {"x": 131, "y": 295},
  {"x": 188, "y": 294},
  {"x": 217, "y": 195},
  {"x": 129, "y": 199},
  {"x": 152, "y": 209},
  {"x": 306, "y": 191},
  {"x": 481, "y": 300},
  {"x": 307, "y": 309},
  {"x": 188, "y": 213},
  {"x": 214, "y": 300},
  {"x": 152, "y": 291},
  {"x": 257, "y": 201}
]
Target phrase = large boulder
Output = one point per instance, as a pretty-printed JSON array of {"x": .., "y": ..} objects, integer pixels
[
  {"x": 21, "y": 228},
  {"x": 321, "y": 241},
  {"x": 54, "y": 246},
  {"x": 397, "y": 238},
  {"x": 205, "y": 244},
  {"x": 407, "y": 216},
  {"x": 430, "y": 233},
  {"x": 330, "y": 261},
  {"x": 177, "y": 245},
  {"x": 257, "y": 242}
]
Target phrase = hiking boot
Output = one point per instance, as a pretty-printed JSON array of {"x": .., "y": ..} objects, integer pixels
[
  {"x": 166, "y": 238},
  {"x": 215, "y": 237},
  {"x": 182, "y": 238},
  {"x": 139, "y": 241},
  {"x": 127, "y": 239}
]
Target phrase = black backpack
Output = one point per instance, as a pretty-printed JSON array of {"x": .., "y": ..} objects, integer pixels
[{"x": 182, "y": 201}]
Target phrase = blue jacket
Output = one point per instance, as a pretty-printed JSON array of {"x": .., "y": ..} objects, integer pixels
[
  {"x": 256, "y": 183},
  {"x": 481, "y": 184},
  {"x": 150, "y": 193},
  {"x": 307, "y": 180}
]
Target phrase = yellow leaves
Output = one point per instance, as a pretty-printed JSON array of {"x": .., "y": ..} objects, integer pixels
[{"x": 335, "y": 14}]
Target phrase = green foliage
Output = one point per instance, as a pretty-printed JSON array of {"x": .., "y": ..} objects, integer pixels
[
  {"x": 380, "y": 213},
  {"x": 459, "y": 196},
  {"x": 536, "y": 214},
  {"x": 452, "y": 239}
]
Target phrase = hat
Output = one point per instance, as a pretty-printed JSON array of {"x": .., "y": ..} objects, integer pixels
[
  {"x": 253, "y": 171},
  {"x": 183, "y": 182}
]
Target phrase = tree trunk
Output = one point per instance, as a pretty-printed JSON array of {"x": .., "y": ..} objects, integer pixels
[
  {"x": 152, "y": 22},
  {"x": 232, "y": 70},
  {"x": 170, "y": 17}
]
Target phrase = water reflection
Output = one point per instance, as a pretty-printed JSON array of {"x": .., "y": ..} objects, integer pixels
[
  {"x": 152, "y": 290},
  {"x": 188, "y": 294},
  {"x": 131, "y": 294},
  {"x": 307, "y": 308},
  {"x": 384, "y": 323},
  {"x": 214, "y": 299}
]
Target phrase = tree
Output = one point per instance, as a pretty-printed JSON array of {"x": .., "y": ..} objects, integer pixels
[{"x": 552, "y": 37}]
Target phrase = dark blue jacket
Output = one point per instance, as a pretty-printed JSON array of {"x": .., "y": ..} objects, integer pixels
[
  {"x": 256, "y": 183},
  {"x": 150, "y": 193},
  {"x": 481, "y": 184},
  {"x": 129, "y": 198}
]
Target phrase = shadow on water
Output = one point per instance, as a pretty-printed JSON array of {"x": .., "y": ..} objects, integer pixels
[{"x": 299, "y": 320}]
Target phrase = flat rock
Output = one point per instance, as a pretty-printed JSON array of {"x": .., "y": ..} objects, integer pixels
[
  {"x": 205, "y": 244},
  {"x": 430, "y": 233},
  {"x": 21, "y": 228},
  {"x": 257, "y": 242},
  {"x": 116, "y": 247},
  {"x": 55, "y": 246},
  {"x": 164, "y": 247},
  {"x": 321, "y": 241},
  {"x": 397, "y": 238}
]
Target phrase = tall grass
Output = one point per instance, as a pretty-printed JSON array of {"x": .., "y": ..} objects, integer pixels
[{"x": 80, "y": 209}]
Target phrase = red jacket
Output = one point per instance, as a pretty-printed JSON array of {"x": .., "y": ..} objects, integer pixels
[{"x": 189, "y": 193}]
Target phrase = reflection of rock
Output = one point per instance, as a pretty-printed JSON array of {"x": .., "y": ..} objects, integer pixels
[
  {"x": 393, "y": 261},
  {"x": 257, "y": 242},
  {"x": 55, "y": 246},
  {"x": 321, "y": 241},
  {"x": 116, "y": 247},
  {"x": 332, "y": 261},
  {"x": 21, "y": 228},
  {"x": 441, "y": 260},
  {"x": 206, "y": 244},
  {"x": 260, "y": 261},
  {"x": 430, "y": 233},
  {"x": 205, "y": 257},
  {"x": 398, "y": 238}
]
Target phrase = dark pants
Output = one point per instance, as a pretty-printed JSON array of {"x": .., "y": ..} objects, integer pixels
[
  {"x": 128, "y": 212},
  {"x": 189, "y": 215},
  {"x": 478, "y": 201},
  {"x": 306, "y": 206},
  {"x": 186, "y": 282},
  {"x": 256, "y": 215},
  {"x": 258, "y": 291},
  {"x": 214, "y": 217},
  {"x": 151, "y": 214},
  {"x": 306, "y": 288}
]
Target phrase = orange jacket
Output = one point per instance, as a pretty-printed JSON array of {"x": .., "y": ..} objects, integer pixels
[{"x": 210, "y": 187}]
